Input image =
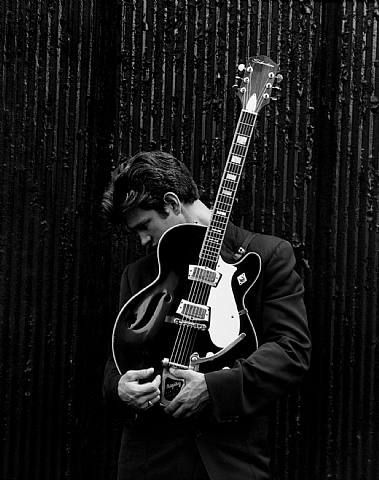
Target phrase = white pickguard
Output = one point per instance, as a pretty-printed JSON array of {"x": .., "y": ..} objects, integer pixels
[{"x": 224, "y": 322}]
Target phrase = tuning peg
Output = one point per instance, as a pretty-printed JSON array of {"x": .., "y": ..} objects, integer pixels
[
  {"x": 279, "y": 78},
  {"x": 275, "y": 87},
  {"x": 275, "y": 96},
  {"x": 241, "y": 67}
]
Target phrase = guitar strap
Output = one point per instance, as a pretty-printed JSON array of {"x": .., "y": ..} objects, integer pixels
[{"x": 242, "y": 249}]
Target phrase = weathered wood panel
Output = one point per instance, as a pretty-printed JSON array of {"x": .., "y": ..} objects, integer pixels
[{"x": 85, "y": 81}]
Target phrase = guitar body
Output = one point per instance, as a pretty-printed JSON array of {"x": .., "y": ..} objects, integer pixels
[{"x": 145, "y": 329}]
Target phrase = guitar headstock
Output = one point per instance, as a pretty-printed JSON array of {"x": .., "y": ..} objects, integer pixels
[{"x": 255, "y": 82}]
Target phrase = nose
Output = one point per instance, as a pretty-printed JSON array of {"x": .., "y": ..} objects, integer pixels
[{"x": 144, "y": 238}]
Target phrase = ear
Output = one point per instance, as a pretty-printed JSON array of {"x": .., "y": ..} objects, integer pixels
[{"x": 172, "y": 200}]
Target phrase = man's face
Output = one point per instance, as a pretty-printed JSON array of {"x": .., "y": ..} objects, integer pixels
[{"x": 151, "y": 225}]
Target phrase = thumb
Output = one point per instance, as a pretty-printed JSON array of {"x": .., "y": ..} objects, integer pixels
[{"x": 132, "y": 375}]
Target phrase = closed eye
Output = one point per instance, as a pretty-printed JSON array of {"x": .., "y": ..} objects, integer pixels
[{"x": 140, "y": 227}]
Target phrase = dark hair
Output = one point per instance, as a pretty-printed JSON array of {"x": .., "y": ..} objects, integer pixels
[{"x": 142, "y": 181}]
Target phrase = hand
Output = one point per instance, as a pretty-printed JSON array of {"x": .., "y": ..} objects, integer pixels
[
  {"x": 192, "y": 398},
  {"x": 139, "y": 395}
]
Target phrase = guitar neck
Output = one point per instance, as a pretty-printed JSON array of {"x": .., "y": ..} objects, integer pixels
[{"x": 223, "y": 205}]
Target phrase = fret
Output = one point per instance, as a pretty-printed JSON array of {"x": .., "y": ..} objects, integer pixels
[
  {"x": 210, "y": 256},
  {"x": 239, "y": 144},
  {"x": 224, "y": 203},
  {"x": 235, "y": 169},
  {"x": 236, "y": 159},
  {"x": 220, "y": 219},
  {"x": 229, "y": 181},
  {"x": 235, "y": 162},
  {"x": 231, "y": 176},
  {"x": 242, "y": 140},
  {"x": 219, "y": 223},
  {"x": 244, "y": 130},
  {"x": 245, "y": 124},
  {"x": 214, "y": 238},
  {"x": 225, "y": 200},
  {"x": 212, "y": 252},
  {"x": 224, "y": 207},
  {"x": 239, "y": 150},
  {"x": 230, "y": 185},
  {"x": 222, "y": 225},
  {"x": 222, "y": 213},
  {"x": 248, "y": 117}
]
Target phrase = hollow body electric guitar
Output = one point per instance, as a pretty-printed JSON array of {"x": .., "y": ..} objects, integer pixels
[{"x": 193, "y": 315}]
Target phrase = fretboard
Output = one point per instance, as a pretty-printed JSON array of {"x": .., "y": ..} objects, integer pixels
[{"x": 223, "y": 205}]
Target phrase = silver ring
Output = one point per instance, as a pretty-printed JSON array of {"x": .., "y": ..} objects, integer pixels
[{"x": 149, "y": 404}]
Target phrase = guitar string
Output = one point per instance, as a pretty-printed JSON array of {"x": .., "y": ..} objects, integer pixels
[
  {"x": 231, "y": 186},
  {"x": 197, "y": 294},
  {"x": 201, "y": 297},
  {"x": 186, "y": 331},
  {"x": 199, "y": 291}
]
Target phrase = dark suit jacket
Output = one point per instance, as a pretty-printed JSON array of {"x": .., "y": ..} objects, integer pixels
[{"x": 231, "y": 436}]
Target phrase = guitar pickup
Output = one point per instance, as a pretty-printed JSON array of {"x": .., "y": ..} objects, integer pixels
[
  {"x": 194, "y": 312},
  {"x": 204, "y": 275}
]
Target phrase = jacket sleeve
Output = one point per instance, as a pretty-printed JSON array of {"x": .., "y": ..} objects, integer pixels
[
  {"x": 283, "y": 355},
  {"x": 111, "y": 373}
]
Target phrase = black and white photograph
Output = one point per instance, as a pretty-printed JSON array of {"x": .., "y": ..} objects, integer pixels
[{"x": 189, "y": 246}]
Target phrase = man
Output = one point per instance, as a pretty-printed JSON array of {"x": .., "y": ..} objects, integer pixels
[{"x": 217, "y": 426}]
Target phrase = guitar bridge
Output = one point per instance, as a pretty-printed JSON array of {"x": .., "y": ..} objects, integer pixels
[{"x": 191, "y": 324}]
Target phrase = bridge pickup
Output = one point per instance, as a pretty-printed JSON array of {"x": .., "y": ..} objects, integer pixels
[
  {"x": 194, "y": 312},
  {"x": 204, "y": 275}
]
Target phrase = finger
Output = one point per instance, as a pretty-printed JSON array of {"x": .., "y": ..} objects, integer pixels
[
  {"x": 180, "y": 373},
  {"x": 156, "y": 400},
  {"x": 132, "y": 375},
  {"x": 146, "y": 389},
  {"x": 148, "y": 401},
  {"x": 172, "y": 406},
  {"x": 181, "y": 411},
  {"x": 157, "y": 381}
]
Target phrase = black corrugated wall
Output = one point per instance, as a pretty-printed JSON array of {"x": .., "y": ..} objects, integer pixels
[{"x": 83, "y": 81}]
